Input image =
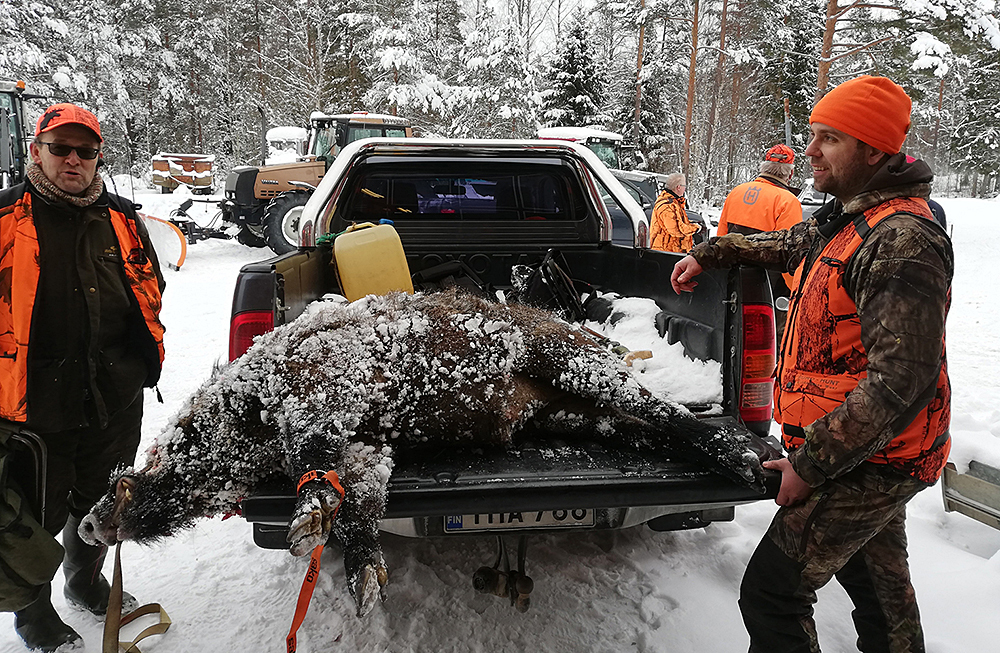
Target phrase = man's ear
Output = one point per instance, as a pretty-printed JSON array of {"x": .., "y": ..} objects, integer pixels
[
  {"x": 36, "y": 152},
  {"x": 875, "y": 155}
]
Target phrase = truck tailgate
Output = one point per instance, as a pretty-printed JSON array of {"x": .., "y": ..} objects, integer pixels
[{"x": 547, "y": 475}]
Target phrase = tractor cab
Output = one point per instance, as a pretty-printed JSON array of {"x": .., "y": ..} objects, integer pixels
[
  {"x": 328, "y": 134},
  {"x": 13, "y": 135}
]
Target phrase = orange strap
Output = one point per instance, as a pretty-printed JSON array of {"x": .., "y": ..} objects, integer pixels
[
  {"x": 305, "y": 595},
  {"x": 330, "y": 477},
  {"x": 312, "y": 574}
]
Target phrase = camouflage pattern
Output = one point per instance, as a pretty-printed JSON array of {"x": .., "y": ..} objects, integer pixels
[
  {"x": 900, "y": 280},
  {"x": 851, "y": 527}
]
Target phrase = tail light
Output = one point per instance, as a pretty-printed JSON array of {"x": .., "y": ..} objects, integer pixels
[
  {"x": 244, "y": 327},
  {"x": 757, "y": 380}
]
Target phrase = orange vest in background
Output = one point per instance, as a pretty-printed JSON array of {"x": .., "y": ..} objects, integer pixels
[
  {"x": 19, "y": 272},
  {"x": 823, "y": 359},
  {"x": 759, "y": 205}
]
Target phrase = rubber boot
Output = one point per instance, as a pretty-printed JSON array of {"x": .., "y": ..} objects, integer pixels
[
  {"x": 86, "y": 588},
  {"x": 40, "y": 627}
]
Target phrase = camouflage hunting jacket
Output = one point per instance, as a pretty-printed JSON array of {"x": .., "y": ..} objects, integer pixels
[{"x": 899, "y": 279}]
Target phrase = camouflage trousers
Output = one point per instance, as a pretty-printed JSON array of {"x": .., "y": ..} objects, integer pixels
[{"x": 851, "y": 527}]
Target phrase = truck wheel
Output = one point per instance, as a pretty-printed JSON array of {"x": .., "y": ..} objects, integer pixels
[
  {"x": 248, "y": 237},
  {"x": 281, "y": 221}
]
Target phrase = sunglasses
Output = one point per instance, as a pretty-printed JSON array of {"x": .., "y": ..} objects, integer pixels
[{"x": 58, "y": 149}]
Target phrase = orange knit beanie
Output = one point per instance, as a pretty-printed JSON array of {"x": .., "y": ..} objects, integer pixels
[{"x": 874, "y": 110}]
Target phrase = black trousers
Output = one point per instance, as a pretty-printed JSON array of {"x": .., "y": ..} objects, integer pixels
[{"x": 852, "y": 528}]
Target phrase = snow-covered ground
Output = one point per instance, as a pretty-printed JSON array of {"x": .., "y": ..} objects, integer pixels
[{"x": 634, "y": 590}]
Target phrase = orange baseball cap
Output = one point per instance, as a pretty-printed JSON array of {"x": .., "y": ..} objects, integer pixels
[
  {"x": 780, "y": 153},
  {"x": 874, "y": 110},
  {"x": 67, "y": 114}
]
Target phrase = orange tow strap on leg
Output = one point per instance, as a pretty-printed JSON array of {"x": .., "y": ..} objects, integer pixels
[{"x": 312, "y": 574}]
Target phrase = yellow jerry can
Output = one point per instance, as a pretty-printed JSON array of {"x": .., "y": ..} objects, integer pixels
[{"x": 370, "y": 261}]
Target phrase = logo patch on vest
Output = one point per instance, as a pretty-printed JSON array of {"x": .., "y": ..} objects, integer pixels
[{"x": 751, "y": 195}]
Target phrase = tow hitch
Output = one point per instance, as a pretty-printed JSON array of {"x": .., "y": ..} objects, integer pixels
[{"x": 500, "y": 580}]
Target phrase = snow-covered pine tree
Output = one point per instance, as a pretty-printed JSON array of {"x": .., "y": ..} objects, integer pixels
[
  {"x": 498, "y": 97},
  {"x": 574, "y": 93},
  {"x": 976, "y": 139},
  {"x": 31, "y": 35},
  {"x": 400, "y": 84}
]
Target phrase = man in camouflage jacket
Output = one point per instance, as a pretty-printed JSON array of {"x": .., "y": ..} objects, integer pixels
[{"x": 862, "y": 394}]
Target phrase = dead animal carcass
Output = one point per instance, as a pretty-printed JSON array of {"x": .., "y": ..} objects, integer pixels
[{"x": 342, "y": 386}]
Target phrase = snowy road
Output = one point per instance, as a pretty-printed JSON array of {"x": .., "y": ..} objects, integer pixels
[{"x": 632, "y": 591}]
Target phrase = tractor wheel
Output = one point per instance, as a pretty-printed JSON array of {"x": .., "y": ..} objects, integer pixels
[
  {"x": 250, "y": 237},
  {"x": 281, "y": 221}
]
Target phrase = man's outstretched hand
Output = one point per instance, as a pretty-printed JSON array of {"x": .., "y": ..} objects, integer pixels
[{"x": 682, "y": 278}]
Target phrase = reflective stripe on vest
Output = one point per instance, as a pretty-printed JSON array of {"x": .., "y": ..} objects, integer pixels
[
  {"x": 141, "y": 277},
  {"x": 18, "y": 285},
  {"x": 19, "y": 272},
  {"x": 823, "y": 359}
]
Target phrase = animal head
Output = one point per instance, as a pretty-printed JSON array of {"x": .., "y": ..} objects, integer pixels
[{"x": 141, "y": 506}]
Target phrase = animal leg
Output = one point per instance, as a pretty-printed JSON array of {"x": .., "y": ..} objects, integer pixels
[
  {"x": 365, "y": 476},
  {"x": 595, "y": 374},
  {"x": 312, "y": 519}
]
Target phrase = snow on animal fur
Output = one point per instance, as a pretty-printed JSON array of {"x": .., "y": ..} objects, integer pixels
[{"x": 345, "y": 384}]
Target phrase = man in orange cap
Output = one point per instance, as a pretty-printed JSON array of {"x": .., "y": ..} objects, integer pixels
[
  {"x": 80, "y": 337},
  {"x": 862, "y": 391},
  {"x": 765, "y": 204}
]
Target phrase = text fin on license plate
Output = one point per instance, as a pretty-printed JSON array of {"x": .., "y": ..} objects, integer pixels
[{"x": 519, "y": 520}]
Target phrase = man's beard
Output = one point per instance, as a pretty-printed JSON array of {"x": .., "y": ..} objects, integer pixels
[{"x": 850, "y": 179}]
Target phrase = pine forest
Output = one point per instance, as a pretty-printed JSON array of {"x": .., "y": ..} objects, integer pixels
[{"x": 699, "y": 86}]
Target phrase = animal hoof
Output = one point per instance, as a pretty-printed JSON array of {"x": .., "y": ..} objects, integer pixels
[
  {"x": 312, "y": 519},
  {"x": 370, "y": 587}
]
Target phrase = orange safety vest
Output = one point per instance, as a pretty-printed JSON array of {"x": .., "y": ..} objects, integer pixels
[
  {"x": 19, "y": 271},
  {"x": 823, "y": 358},
  {"x": 760, "y": 205}
]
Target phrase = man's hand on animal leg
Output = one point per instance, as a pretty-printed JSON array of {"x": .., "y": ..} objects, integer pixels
[
  {"x": 682, "y": 278},
  {"x": 793, "y": 489},
  {"x": 313, "y": 517}
]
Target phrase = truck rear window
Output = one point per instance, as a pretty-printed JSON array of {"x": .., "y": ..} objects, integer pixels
[{"x": 484, "y": 195}]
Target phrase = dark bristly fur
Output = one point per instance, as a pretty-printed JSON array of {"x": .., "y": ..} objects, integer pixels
[{"x": 340, "y": 385}]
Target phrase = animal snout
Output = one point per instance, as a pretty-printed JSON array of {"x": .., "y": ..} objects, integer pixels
[{"x": 90, "y": 531}]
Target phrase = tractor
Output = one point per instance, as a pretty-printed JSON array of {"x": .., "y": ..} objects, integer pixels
[
  {"x": 13, "y": 133},
  {"x": 265, "y": 202}
]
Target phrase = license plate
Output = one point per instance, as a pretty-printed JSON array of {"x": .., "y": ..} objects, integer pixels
[{"x": 517, "y": 520}]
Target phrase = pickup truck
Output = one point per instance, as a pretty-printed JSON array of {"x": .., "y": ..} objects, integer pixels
[{"x": 491, "y": 205}]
